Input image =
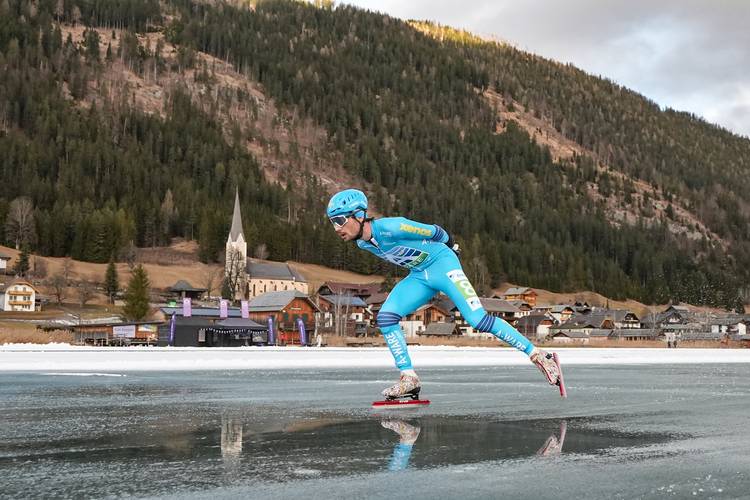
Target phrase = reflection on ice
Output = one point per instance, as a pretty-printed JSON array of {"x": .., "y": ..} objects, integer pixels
[
  {"x": 231, "y": 441},
  {"x": 408, "y": 435},
  {"x": 554, "y": 444}
]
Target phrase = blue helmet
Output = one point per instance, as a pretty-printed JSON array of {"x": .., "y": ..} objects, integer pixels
[{"x": 347, "y": 202}]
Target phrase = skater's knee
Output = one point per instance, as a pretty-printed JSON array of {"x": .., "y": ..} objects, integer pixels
[
  {"x": 483, "y": 323},
  {"x": 386, "y": 319}
]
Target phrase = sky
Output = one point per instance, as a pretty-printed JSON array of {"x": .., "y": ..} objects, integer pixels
[{"x": 688, "y": 55}]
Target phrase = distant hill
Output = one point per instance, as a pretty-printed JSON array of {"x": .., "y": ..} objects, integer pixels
[{"x": 136, "y": 120}]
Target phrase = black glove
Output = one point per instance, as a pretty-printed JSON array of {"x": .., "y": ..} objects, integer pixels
[{"x": 453, "y": 245}]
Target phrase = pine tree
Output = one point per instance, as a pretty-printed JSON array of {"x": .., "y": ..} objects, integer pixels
[
  {"x": 136, "y": 298},
  {"x": 226, "y": 290},
  {"x": 22, "y": 264},
  {"x": 111, "y": 282}
]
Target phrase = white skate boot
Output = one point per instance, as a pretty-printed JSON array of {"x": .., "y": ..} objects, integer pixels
[
  {"x": 407, "y": 386},
  {"x": 543, "y": 360}
]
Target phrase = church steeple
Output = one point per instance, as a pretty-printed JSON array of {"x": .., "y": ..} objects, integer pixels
[
  {"x": 235, "y": 264},
  {"x": 236, "y": 230}
]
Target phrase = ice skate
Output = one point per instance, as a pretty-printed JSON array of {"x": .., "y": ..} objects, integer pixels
[
  {"x": 404, "y": 394},
  {"x": 549, "y": 365},
  {"x": 408, "y": 386}
]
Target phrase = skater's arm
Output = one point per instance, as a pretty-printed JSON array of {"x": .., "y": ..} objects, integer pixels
[{"x": 413, "y": 230}]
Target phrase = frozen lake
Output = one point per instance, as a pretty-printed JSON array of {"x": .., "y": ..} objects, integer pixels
[{"x": 626, "y": 431}]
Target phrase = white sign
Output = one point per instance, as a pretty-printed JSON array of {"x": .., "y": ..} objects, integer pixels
[{"x": 124, "y": 332}]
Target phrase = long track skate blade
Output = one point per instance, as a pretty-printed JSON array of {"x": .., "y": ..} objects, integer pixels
[
  {"x": 560, "y": 380},
  {"x": 400, "y": 403}
]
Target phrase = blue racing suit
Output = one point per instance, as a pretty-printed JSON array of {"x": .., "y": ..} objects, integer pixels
[{"x": 434, "y": 267}]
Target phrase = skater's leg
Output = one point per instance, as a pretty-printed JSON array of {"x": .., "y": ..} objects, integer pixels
[
  {"x": 405, "y": 298},
  {"x": 448, "y": 277}
]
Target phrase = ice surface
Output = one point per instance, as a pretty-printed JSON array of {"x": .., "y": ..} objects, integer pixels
[{"x": 625, "y": 431}]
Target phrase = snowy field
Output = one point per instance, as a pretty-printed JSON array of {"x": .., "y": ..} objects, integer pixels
[
  {"x": 296, "y": 423},
  {"x": 36, "y": 357}
]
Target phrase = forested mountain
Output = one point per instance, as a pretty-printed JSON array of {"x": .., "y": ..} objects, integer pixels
[{"x": 136, "y": 120}]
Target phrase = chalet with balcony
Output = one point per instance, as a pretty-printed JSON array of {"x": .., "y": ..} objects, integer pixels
[
  {"x": 18, "y": 295},
  {"x": 524, "y": 294}
]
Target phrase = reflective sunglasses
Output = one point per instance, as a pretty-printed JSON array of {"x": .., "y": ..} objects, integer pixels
[{"x": 339, "y": 221}]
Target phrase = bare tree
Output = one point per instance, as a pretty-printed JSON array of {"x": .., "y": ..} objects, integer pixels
[
  {"x": 67, "y": 267},
  {"x": 85, "y": 292},
  {"x": 233, "y": 271},
  {"x": 129, "y": 254},
  {"x": 19, "y": 225},
  {"x": 58, "y": 283},
  {"x": 39, "y": 268},
  {"x": 211, "y": 278},
  {"x": 261, "y": 251}
]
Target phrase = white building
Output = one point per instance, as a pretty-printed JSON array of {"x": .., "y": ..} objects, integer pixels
[
  {"x": 17, "y": 295},
  {"x": 4, "y": 259}
]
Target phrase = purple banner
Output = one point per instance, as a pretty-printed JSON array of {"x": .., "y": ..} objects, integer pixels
[
  {"x": 187, "y": 307},
  {"x": 244, "y": 307},
  {"x": 302, "y": 332},
  {"x": 171, "y": 328},
  {"x": 271, "y": 336},
  {"x": 223, "y": 308}
]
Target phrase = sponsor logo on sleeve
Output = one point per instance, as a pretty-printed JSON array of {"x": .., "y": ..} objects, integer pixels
[
  {"x": 408, "y": 228},
  {"x": 459, "y": 279}
]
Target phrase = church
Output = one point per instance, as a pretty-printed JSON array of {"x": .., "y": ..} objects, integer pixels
[{"x": 252, "y": 277}]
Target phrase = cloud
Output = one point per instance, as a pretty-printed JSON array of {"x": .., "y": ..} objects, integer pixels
[{"x": 690, "y": 55}]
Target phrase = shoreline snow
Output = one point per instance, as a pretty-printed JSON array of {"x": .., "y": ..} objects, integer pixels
[{"x": 67, "y": 358}]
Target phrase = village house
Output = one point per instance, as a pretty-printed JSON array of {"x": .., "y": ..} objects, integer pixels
[
  {"x": 524, "y": 308},
  {"x": 18, "y": 295},
  {"x": 730, "y": 325},
  {"x": 581, "y": 326},
  {"x": 501, "y": 309},
  {"x": 524, "y": 294},
  {"x": 425, "y": 315},
  {"x": 4, "y": 259},
  {"x": 571, "y": 336},
  {"x": 636, "y": 334},
  {"x": 183, "y": 289},
  {"x": 363, "y": 291},
  {"x": 352, "y": 314},
  {"x": 285, "y": 307},
  {"x": 535, "y": 326},
  {"x": 441, "y": 330},
  {"x": 116, "y": 333},
  {"x": 562, "y": 313},
  {"x": 621, "y": 318},
  {"x": 674, "y": 314}
]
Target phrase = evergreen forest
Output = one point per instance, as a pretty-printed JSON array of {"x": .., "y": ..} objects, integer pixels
[{"x": 403, "y": 109}]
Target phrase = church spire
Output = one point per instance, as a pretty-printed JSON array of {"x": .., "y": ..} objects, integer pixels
[{"x": 236, "y": 230}]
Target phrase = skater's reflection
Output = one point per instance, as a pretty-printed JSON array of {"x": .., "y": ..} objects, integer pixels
[
  {"x": 554, "y": 445},
  {"x": 408, "y": 435}
]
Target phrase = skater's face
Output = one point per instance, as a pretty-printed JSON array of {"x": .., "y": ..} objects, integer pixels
[{"x": 347, "y": 229}]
